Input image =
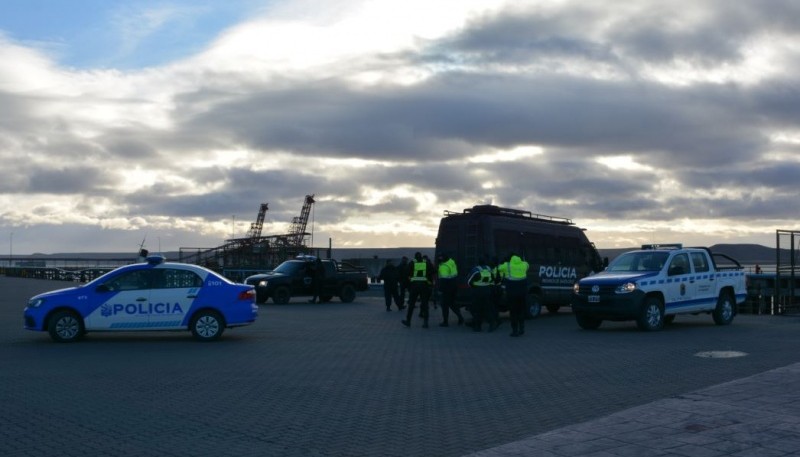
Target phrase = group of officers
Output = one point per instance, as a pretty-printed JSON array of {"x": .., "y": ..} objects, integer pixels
[{"x": 419, "y": 276}]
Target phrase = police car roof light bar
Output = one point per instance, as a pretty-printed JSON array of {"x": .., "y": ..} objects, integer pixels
[{"x": 156, "y": 259}]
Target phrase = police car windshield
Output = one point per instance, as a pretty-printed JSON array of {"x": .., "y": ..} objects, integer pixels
[{"x": 639, "y": 261}]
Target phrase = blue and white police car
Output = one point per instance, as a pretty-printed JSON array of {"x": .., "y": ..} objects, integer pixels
[{"x": 156, "y": 295}]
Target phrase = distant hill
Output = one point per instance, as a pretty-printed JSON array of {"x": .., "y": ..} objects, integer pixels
[{"x": 749, "y": 254}]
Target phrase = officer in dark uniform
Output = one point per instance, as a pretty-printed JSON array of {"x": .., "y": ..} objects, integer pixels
[
  {"x": 480, "y": 280},
  {"x": 447, "y": 282},
  {"x": 420, "y": 275}
]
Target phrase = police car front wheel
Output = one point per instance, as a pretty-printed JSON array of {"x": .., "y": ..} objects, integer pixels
[
  {"x": 65, "y": 327},
  {"x": 207, "y": 326}
]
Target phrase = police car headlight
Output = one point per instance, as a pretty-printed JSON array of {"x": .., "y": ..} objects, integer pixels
[
  {"x": 576, "y": 288},
  {"x": 626, "y": 288},
  {"x": 35, "y": 302}
]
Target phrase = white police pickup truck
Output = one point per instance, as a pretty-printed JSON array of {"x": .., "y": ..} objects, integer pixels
[{"x": 654, "y": 284}]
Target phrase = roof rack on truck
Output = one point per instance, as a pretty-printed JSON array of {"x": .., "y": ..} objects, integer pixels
[
  {"x": 663, "y": 246},
  {"x": 509, "y": 212}
]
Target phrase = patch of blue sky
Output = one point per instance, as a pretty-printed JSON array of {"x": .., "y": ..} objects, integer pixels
[{"x": 120, "y": 34}]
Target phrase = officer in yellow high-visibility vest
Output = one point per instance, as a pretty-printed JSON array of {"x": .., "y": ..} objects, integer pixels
[
  {"x": 515, "y": 278},
  {"x": 447, "y": 282},
  {"x": 420, "y": 282}
]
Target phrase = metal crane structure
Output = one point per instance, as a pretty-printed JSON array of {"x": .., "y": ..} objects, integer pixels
[
  {"x": 297, "y": 232},
  {"x": 255, "y": 227},
  {"x": 240, "y": 257}
]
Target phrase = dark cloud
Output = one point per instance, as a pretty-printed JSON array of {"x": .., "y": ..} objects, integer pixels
[{"x": 66, "y": 181}]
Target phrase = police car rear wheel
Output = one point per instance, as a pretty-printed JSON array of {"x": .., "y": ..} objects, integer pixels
[
  {"x": 65, "y": 327},
  {"x": 207, "y": 326},
  {"x": 651, "y": 317}
]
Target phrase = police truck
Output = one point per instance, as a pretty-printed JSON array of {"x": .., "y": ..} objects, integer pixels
[{"x": 558, "y": 251}]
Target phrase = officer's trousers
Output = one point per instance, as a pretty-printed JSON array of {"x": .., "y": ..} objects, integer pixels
[{"x": 418, "y": 290}]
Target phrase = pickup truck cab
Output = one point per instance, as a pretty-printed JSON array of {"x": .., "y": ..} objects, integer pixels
[
  {"x": 654, "y": 284},
  {"x": 293, "y": 278}
]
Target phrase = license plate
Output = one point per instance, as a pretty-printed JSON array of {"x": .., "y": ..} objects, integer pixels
[{"x": 594, "y": 299}]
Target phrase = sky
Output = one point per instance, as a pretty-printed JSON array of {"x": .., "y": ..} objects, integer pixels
[{"x": 172, "y": 121}]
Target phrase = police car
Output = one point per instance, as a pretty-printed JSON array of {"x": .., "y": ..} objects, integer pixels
[{"x": 156, "y": 295}]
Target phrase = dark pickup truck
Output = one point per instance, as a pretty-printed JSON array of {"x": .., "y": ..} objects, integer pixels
[{"x": 293, "y": 278}]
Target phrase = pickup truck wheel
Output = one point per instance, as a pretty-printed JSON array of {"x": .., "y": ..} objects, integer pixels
[
  {"x": 534, "y": 306},
  {"x": 553, "y": 309},
  {"x": 587, "y": 322},
  {"x": 281, "y": 295},
  {"x": 347, "y": 294},
  {"x": 651, "y": 316},
  {"x": 724, "y": 312}
]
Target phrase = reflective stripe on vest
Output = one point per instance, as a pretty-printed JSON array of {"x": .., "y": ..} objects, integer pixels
[{"x": 486, "y": 276}]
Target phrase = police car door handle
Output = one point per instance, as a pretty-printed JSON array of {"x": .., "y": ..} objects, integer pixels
[
  {"x": 141, "y": 299},
  {"x": 191, "y": 296}
]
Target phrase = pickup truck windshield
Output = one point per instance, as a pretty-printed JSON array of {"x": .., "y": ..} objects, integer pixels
[
  {"x": 290, "y": 267},
  {"x": 639, "y": 261}
]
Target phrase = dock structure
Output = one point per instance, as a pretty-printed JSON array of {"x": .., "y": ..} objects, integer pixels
[{"x": 778, "y": 292}]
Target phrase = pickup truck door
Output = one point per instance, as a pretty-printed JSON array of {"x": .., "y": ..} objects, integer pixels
[
  {"x": 705, "y": 281},
  {"x": 680, "y": 288}
]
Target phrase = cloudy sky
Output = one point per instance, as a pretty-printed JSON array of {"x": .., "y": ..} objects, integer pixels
[{"x": 643, "y": 121}]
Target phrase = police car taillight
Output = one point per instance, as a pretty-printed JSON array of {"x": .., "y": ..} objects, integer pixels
[{"x": 247, "y": 295}]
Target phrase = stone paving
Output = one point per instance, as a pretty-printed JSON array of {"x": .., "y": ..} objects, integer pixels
[
  {"x": 341, "y": 379},
  {"x": 755, "y": 416}
]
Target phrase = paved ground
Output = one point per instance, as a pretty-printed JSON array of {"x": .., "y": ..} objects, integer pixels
[{"x": 349, "y": 380}]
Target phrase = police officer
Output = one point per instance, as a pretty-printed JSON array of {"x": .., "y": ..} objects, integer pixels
[
  {"x": 480, "y": 279},
  {"x": 448, "y": 285},
  {"x": 403, "y": 269},
  {"x": 420, "y": 275},
  {"x": 389, "y": 275},
  {"x": 515, "y": 278}
]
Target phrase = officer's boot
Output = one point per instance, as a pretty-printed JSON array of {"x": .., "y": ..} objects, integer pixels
[
  {"x": 522, "y": 327},
  {"x": 514, "y": 331}
]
